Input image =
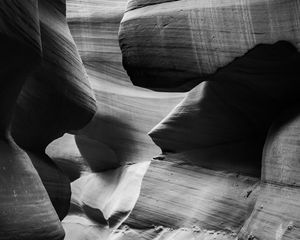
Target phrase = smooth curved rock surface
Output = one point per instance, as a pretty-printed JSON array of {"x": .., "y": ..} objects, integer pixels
[
  {"x": 281, "y": 162},
  {"x": 237, "y": 104},
  {"x": 55, "y": 99},
  {"x": 45, "y": 93},
  {"x": 56, "y": 182},
  {"x": 106, "y": 198},
  {"x": 125, "y": 112},
  {"x": 265, "y": 208},
  {"x": 276, "y": 214},
  {"x": 27, "y": 20},
  {"x": 178, "y": 192},
  {"x": 58, "y": 91},
  {"x": 117, "y": 133},
  {"x": 21, "y": 51},
  {"x": 26, "y": 211},
  {"x": 210, "y": 190},
  {"x": 176, "y": 44},
  {"x": 94, "y": 26},
  {"x": 177, "y": 195}
]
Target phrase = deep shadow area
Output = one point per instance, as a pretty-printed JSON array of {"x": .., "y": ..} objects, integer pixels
[
  {"x": 223, "y": 122},
  {"x": 105, "y": 142},
  {"x": 56, "y": 182}
]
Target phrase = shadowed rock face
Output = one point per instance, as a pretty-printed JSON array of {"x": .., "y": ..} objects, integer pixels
[
  {"x": 236, "y": 104},
  {"x": 117, "y": 135},
  {"x": 57, "y": 91},
  {"x": 210, "y": 186},
  {"x": 169, "y": 45},
  {"x": 44, "y": 93},
  {"x": 22, "y": 192},
  {"x": 277, "y": 210}
]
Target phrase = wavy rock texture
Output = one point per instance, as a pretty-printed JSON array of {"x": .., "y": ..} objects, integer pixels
[
  {"x": 26, "y": 211},
  {"x": 237, "y": 104},
  {"x": 25, "y": 208},
  {"x": 277, "y": 208},
  {"x": 94, "y": 26},
  {"x": 233, "y": 112},
  {"x": 61, "y": 84},
  {"x": 47, "y": 95},
  {"x": 102, "y": 201},
  {"x": 211, "y": 190},
  {"x": 126, "y": 113},
  {"x": 175, "y": 44},
  {"x": 216, "y": 200},
  {"x": 116, "y": 138},
  {"x": 175, "y": 193}
]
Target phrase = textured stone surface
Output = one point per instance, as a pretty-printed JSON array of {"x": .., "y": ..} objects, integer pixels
[
  {"x": 180, "y": 198},
  {"x": 236, "y": 104},
  {"x": 24, "y": 200},
  {"x": 60, "y": 83},
  {"x": 177, "y": 196},
  {"x": 44, "y": 93},
  {"x": 118, "y": 131},
  {"x": 281, "y": 155},
  {"x": 209, "y": 189},
  {"x": 117, "y": 135},
  {"x": 26, "y": 211},
  {"x": 94, "y": 26},
  {"x": 166, "y": 44},
  {"x": 276, "y": 214}
]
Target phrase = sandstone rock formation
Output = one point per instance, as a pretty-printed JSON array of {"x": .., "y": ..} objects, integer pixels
[
  {"x": 277, "y": 209},
  {"x": 237, "y": 104},
  {"x": 24, "y": 200},
  {"x": 208, "y": 190},
  {"x": 171, "y": 44},
  {"x": 118, "y": 131},
  {"x": 186, "y": 201},
  {"x": 45, "y": 93},
  {"x": 116, "y": 136},
  {"x": 222, "y": 123},
  {"x": 215, "y": 178},
  {"x": 60, "y": 83}
]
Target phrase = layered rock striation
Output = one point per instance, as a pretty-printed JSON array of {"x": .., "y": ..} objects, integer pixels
[
  {"x": 113, "y": 151},
  {"x": 224, "y": 174},
  {"x": 210, "y": 184},
  {"x": 236, "y": 104},
  {"x": 248, "y": 77},
  {"x": 45, "y": 93},
  {"x": 169, "y": 45}
]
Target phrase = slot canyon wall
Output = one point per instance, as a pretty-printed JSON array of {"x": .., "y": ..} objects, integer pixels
[
  {"x": 204, "y": 145},
  {"x": 45, "y": 93}
]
